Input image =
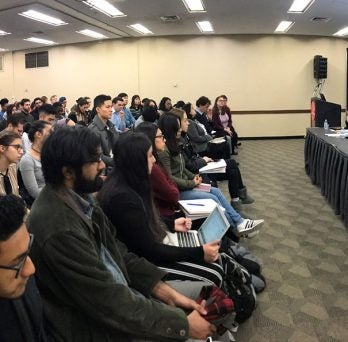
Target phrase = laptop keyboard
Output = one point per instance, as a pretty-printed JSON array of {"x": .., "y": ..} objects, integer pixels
[{"x": 186, "y": 240}]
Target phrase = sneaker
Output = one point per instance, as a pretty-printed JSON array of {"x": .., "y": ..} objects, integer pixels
[{"x": 248, "y": 226}]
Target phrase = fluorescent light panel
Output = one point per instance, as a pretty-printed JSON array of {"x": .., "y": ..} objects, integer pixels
[
  {"x": 44, "y": 18},
  {"x": 92, "y": 34},
  {"x": 105, "y": 7},
  {"x": 40, "y": 41},
  {"x": 300, "y": 6},
  {"x": 284, "y": 26},
  {"x": 3, "y": 33},
  {"x": 194, "y": 5},
  {"x": 140, "y": 29},
  {"x": 342, "y": 32},
  {"x": 205, "y": 26},
  {"x": 2, "y": 50}
]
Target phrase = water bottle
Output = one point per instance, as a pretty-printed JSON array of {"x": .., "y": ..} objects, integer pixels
[{"x": 326, "y": 125}]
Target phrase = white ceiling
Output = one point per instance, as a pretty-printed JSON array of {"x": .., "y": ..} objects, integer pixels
[{"x": 227, "y": 17}]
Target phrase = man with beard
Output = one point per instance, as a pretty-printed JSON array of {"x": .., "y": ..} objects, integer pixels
[{"x": 93, "y": 289}]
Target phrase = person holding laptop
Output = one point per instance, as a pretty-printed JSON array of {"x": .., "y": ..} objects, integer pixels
[{"x": 126, "y": 198}]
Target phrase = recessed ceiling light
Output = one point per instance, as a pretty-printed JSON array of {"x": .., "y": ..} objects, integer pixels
[
  {"x": 44, "y": 18},
  {"x": 104, "y": 7},
  {"x": 284, "y": 26},
  {"x": 92, "y": 34},
  {"x": 2, "y": 50},
  {"x": 3, "y": 33},
  {"x": 140, "y": 29},
  {"x": 300, "y": 6},
  {"x": 40, "y": 41},
  {"x": 342, "y": 32},
  {"x": 194, "y": 5},
  {"x": 205, "y": 26}
]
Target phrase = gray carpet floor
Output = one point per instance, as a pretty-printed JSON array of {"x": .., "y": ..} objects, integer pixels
[{"x": 303, "y": 247}]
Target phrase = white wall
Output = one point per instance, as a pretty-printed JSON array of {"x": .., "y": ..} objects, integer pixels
[{"x": 256, "y": 73}]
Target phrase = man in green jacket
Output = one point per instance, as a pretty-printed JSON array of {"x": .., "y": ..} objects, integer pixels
[{"x": 92, "y": 288}]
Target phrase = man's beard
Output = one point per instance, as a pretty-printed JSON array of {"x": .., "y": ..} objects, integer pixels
[{"x": 84, "y": 186}]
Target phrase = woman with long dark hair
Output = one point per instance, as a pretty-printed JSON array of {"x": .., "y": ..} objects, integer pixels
[
  {"x": 30, "y": 164},
  {"x": 11, "y": 151},
  {"x": 222, "y": 122},
  {"x": 126, "y": 199},
  {"x": 165, "y": 191},
  {"x": 136, "y": 106},
  {"x": 165, "y": 105},
  {"x": 174, "y": 163},
  {"x": 79, "y": 113}
]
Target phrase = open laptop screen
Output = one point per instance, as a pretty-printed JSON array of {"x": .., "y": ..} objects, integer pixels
[{"x": 214, "y": 227}]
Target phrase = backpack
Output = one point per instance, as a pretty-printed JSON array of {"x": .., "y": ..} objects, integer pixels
[
  {"x": 245, "y": 258},
  {"x": 219, "y": 307},
  {"x": 238, "y": 286}
]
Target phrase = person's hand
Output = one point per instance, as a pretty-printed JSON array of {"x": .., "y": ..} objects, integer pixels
[
  {"x": 121, "y": 114},
  {"x": 211, "y": 251},
  {"x": 227, "y": 129},
  {"x": 182, "y": 224},
  {"x": 199, "y": 328},
  {"x": 207, "y": 159},
  {"x": 125, "y": 130},
  {"x": 197, "y": 179},
  {"x": 209, "y": 114}
]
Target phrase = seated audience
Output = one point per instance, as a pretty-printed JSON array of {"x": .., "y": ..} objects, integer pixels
[
  {"x": 174, "y": 163},
  {"x": 148, "y": 114},
  {"x": 15, "y": 123},
  {"x": 203, "y": 114},
  {"x": 11, "y": 151},
  {"x": 197, "y": 132},
  {"x": 30, "y": 164},
  {"x": 128, "y": 117},
  {"x": 20, "y": 303},
  {"x": 3, "y": 104},
  {"x": 136, "y": 106},
  {"x": 104, "y": 128},
  {"x": 37, "y": 103},
  {"x": 165, "y": 191},
  {"x": 47, "y": 113},
  {"x": 165, "y": 105},
  {"x": 194, "y": 162},
  {"x": 63, "y": 101},
  {"x": 118, "y": 116},
  {"x": 126, "y": 198},
  {"x": 222, "y": 122},
  {"x": 79, "y": 113},
  {"x": 25, "y": 109},
  {"x": 92, "y": 288}
]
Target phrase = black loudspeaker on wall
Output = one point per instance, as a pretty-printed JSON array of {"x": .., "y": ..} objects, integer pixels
[{"x": 320, "y": 67}]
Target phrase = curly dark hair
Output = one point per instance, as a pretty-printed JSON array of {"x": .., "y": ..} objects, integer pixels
[{"x": 12, "y": 212}]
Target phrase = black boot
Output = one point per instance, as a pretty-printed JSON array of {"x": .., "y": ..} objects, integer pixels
[{"x": 243, "y": 195}]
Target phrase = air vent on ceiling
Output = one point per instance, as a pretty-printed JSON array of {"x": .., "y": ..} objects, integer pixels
[
  {"x": 170, "y": 18},
  {"x": 320, "y": 19}
]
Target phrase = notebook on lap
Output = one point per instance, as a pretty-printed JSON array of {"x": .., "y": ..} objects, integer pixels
[{"x": 213, "y": 228}]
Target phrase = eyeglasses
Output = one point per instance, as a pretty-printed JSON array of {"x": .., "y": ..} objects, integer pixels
[
  {"x": 18, "y": 268},
  {"x": 16, "y": 146},
  {"x": 160, "y": 136}
]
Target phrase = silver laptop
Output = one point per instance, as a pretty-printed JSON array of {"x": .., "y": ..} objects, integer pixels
[{"x": 213, "y": 228}]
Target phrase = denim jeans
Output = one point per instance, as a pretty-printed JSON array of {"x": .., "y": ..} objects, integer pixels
[{"x": 215, "y": 194}]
